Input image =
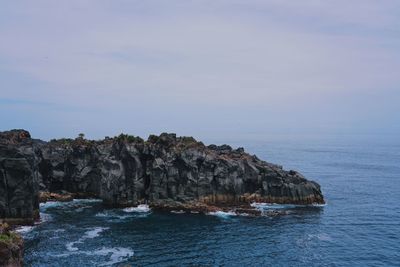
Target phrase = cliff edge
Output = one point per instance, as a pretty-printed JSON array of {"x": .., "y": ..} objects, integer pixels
[{"x": 127, "y": 170}]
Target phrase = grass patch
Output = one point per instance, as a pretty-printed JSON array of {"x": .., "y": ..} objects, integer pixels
[{"x": 9, "y": 237}]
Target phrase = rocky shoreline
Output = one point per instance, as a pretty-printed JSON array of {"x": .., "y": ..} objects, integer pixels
[
  {"x": 168, "y": 205},
  {"x": 166, "y": 171},
  {"x": 169, "y": 173},
  {"x": 192, "y": 207},
  {"x": 11, "y": 247}
]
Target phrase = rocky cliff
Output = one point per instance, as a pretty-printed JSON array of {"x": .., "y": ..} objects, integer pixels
[
  {"x": 19, "y": 177},
  {"x": 126, "y": 170},
  {"x": 11, "y": 247}
]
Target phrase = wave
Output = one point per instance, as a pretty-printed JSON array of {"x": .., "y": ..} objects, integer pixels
[
  {"x": 115, "y": 254},
  {"x": 51, "y": 204},
  {"x": 116, "y": 216},
  {"x": 110, "y": 214},
  {"x": 178, "y": 211},
  {"x": 44, "y": 217},
  {"x": 70, "y": 246},
  {"x": 92, "y": 233},
  {"x": 103, "y": 214},
  {"x": 24, "y": 229},
  {"x": 95, "y": 232},
  {"x": 318, "y": 205},
  {"x": 274, "y": 206},
  {"x": 86, "y": 200},
  {"x": 78, "y": 204},
  {"x": 140, "y": 208},
  {"x": 222, "y": 214},
  {"x": 263, "y": 206}
]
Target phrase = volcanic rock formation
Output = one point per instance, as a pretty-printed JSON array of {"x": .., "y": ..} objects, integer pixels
[{"x": 127, "y": 170}]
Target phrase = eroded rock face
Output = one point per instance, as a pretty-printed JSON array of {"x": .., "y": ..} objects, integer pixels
[
  {"x": 18, "y": 177},
  {"x": 126, "y": 170}
]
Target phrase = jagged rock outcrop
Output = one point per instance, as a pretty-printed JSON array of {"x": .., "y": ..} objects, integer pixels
[
  {"x": 19, "y": 177},
  {"x": 125, "y": 170},
  {"x": 11, "y": 247}
]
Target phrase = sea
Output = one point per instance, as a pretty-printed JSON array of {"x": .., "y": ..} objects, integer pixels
[{"x": 359, "y": 225}]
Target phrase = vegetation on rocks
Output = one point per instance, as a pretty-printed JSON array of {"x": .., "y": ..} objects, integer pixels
[{"x": 11, "y": 247}]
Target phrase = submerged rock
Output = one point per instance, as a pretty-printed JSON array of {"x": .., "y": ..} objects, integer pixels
[{"x": 166, "y": 171}]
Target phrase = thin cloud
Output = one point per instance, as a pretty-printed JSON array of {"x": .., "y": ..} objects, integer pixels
[{"x": 258, "y": 61}]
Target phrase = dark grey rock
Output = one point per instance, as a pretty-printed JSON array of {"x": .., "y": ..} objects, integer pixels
[
  {"x": 19, "y": 177},
  {"x": 125, "y": 170}
]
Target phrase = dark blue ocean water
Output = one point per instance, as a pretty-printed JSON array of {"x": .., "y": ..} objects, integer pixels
[{"x": 360, "y": 225}]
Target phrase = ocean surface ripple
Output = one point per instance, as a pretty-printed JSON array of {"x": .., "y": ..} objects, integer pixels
[{"x": 360, "y": 225}]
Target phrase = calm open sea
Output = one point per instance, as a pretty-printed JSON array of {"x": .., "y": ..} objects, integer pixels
[{"x": 359, "y": 226}]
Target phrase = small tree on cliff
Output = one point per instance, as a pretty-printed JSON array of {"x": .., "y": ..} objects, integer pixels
[{"x": 81, "y": 136}]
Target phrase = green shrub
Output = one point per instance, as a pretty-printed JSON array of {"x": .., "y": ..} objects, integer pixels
[
  {"x": 8, "y": 237},
  {"x": 129, "y": 138}
]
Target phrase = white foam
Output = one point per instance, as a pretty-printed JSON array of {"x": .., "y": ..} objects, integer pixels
[
  {"x": 112, "y": 215},
  {"x": 178, "y": 211},
  {"x": 264, "y": 206},
  {"x": 92, "y": 233},
  {"x": 222, "y": 214},
  {"x": 117, "y": 255},
  {"x": 318, "y": 205},
  {"x": 56, "y": 232},
  {"x": 95, "y": 232},
  {"x": 103, "y": 214},
  {"x": 69, "y": 204},
  {"x": 140, "y": 208},
  {"x": 24, "y": 229},
  {"x": 70, "y": 246},
  {"x": 123, "y": 214},
  {"x": 45, "y": 217}
]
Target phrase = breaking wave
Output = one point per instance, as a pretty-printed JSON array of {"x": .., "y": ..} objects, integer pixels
[
  {"x": 140, "y": 208},
  {"x": 24, "y": 229}
]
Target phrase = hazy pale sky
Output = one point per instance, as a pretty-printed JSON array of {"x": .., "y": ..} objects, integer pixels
[{"x": 201, "y": 68}]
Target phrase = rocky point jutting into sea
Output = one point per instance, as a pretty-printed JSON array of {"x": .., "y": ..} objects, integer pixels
[{"x": 166, "y": 171}]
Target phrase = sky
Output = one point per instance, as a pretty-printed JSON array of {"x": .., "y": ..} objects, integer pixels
[{"x": 201, "y": 68}]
